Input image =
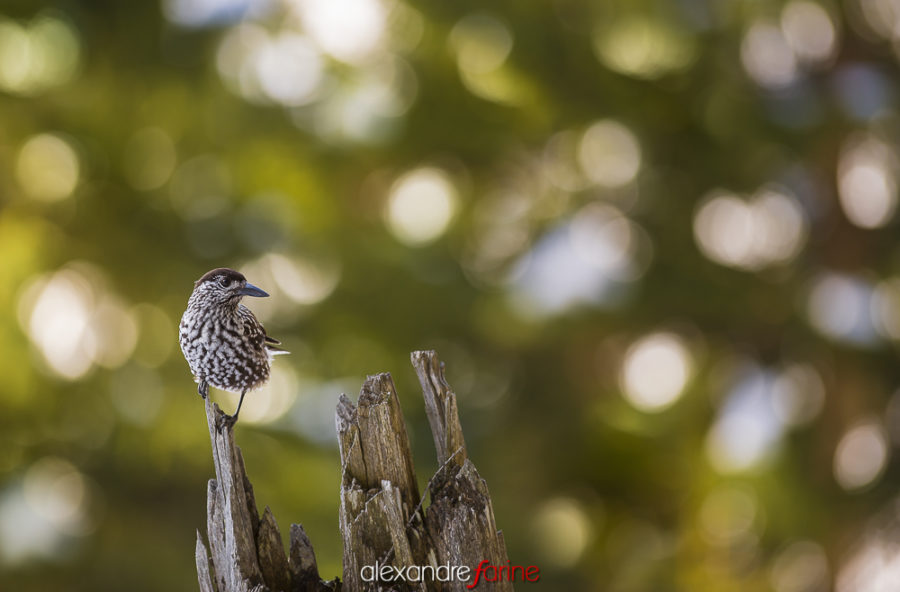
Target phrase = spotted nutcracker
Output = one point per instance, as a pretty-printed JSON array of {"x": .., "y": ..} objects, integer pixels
[{"x": 224, "y": 344}]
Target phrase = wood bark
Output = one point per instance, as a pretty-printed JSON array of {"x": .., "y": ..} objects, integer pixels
[
  {"x": 245, "y": 551},
  {"x": 383, "y": 520}
]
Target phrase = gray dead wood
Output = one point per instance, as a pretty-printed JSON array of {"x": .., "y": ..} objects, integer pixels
[
  {"x": 246, "y": 551},
  {"x": 460, "y": 520},
  {"x": 378, "y": 484},
  {"x": 382, "y": 518},
  {"x": 440, "y": 407}
]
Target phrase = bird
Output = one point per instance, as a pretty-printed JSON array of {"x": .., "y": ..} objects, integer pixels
[{"x": 221, "y": 339}]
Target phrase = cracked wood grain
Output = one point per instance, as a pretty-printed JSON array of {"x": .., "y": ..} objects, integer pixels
[
  {"x": 382, "y": 516},
  {"x": 246, "y": 553}
]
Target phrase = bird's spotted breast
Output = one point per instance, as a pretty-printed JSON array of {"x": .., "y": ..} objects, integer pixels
[{"x": 225, "y": 348}]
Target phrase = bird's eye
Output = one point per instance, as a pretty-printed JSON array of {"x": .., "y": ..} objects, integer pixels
[{"x": 224, "y": 282}]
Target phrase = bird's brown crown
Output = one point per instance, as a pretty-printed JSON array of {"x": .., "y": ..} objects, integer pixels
[{"x": 221, "y": 271}]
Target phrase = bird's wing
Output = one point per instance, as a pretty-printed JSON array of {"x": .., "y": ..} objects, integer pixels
[
  {"x": 271, "y": 342},
  {"x": 256, "y": 330}
]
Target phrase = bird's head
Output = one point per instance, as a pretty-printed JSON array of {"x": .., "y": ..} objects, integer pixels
[{"x": 225, "y": 286}]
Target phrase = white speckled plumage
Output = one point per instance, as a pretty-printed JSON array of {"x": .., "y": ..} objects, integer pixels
[{"x": 222, "y": 341}]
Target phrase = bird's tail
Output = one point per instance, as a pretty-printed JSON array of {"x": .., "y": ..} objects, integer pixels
[
  {"x": 271, "y": 344},
  {"x": 275, "y": 351}
]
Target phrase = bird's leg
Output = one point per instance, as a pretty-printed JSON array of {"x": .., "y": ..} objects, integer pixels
[
  {"x": 203, "y": 389},
  {"x": 240, "y": 402},
  {"x": 230, "y": 420}
]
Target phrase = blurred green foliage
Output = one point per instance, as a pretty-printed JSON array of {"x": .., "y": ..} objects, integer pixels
[{"x": 655, "y": 243}]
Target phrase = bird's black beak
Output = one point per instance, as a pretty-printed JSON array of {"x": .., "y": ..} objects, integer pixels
[{"x": 251, "y": 290}]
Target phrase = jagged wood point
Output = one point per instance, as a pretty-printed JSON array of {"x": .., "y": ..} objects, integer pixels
[{"x": 382, "y": 517}]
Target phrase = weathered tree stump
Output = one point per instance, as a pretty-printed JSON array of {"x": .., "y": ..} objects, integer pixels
[
  {"x": 383, "y": 520},
  {"x": 247, "y": 552}
]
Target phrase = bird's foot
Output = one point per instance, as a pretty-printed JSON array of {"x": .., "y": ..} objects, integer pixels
[
  {"x": 203, "y": 389},
  {"x": 224, "y": 422}
]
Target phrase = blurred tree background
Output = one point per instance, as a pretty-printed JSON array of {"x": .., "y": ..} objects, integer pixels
[{"x": 653, "y": 240}]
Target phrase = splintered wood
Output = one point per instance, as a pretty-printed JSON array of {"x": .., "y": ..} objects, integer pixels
[
  {"x": 384, "y": 523},
  {"x": 246, "y": 552}
]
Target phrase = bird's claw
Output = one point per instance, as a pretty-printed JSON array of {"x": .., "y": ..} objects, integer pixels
[{"x": 225, "y": 422}]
